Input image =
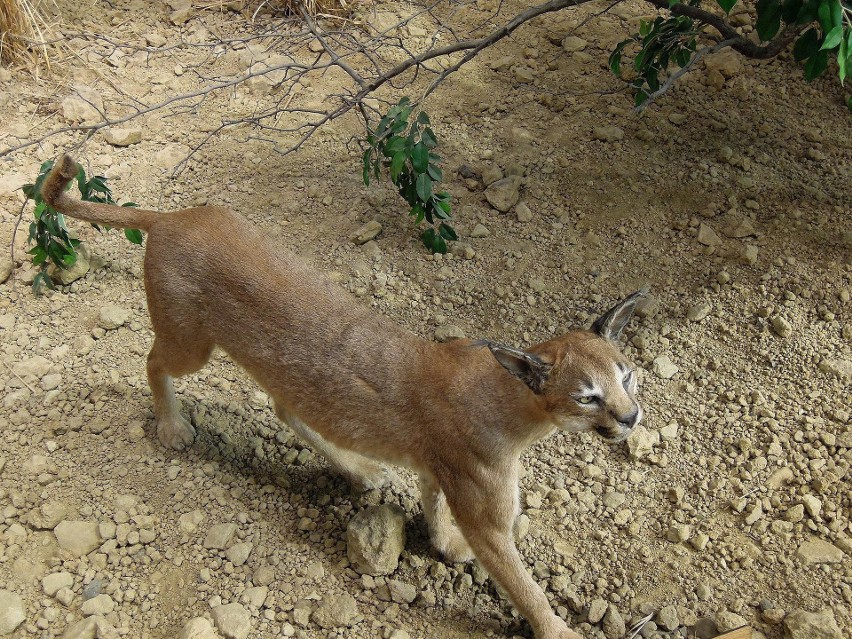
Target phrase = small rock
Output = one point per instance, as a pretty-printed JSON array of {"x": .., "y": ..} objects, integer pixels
[
  {"x": 367, "y": 232},
  {"x": 123, "y": 137},
  {"x": 727, "y": 63},
  {"x": 48, "y": 515},
  {"x": 492, "y": 174},
  {"x": 85, "y": 106},
  {"x": 100, "y": 605},
  {"x": 94, "y": 627},
  {"x": 667, "y": 618},
  {"x": 6, "y": 268},
  {"x": 12, "y": 612},
  {"x": 738, "y": 226},
  {"x": 375, "y": 538},
  {"x": 219, "y": 536},
  {"x": 781, "y": 326},
  {"x": 727, "y": 621},
  {"x": 402, "y": 592},
  {"x": 238, "y": 554},
  {"x": 748, "y": 254},
  {"x": 78, "y": 537},
  {"x": 522, "y": 212},
  {"x": 188, "y": 522},
  {"x": 707, "y": 236},
  {"x": 336, "y": 612},
  {"x": 232, "y": 620},
  {"x": 198, "y": 628},
  {"x": 780, "y": 477},
  {"x": 813, "y": 505},
  {"x": 838, "y": 366},
  {"x": 480, "y": 231},
  {"x": 572, "y": 44},
  {"x": 597, "y": 610},
  {"x": 664, "y": 367},
  {"x": 448, "y": 332},
  {"x": 505, "y": 193},
  {"x": 613, "y": 624},
  {"x": 819, "y": 551},
  {"x": 698, "y": 312},
  {"x": 642, "y": 441},
  {"x": 171, "y": 155},
  {"x": 113, "y": 316},
  {"x": 679, "y": 533},
  {"x": 54, "y": 582},
  {"x": 608, "y": 133},
  {"x": 801, "y": 624}
]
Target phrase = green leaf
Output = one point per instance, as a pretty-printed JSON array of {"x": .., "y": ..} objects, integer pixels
[
  {"x": 423, "y": 118},
  {"x": 394, "y": 144},
  {"x": 428, "y": 237},
  {"x": 806, "y": 45},
  {"x": 420, "y": 157},
  {"x": 836, "y": 13},
  {"x": 726, "y": 5},
  {"x": 130, "y": 204},
  {"x": 615, "y": 63},
  {"x": 424, "y": 187},
  {"x": 429, "y": 138},
  {"x": 448, "y": 232},
  {"x": 39, "y": 210},
  {"x": 832, "y": 38},
  {"x": 849, "y": 103},
  {"x": 815, "y": 65},
  {"x": 39, "y": 255},
  {"x": 768, "y": 19},
  {"x": 396, "y": 165},
  {"x": 366, "y": 160},
  {"x": 824, "y": 15},
  {"x": 134, "y": 235},
  {"x": 435, "y": 172}
]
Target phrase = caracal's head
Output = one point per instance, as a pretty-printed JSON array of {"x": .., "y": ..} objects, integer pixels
[{"x": 584, "y": 380}]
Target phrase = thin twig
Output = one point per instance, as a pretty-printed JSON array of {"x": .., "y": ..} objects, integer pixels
[{"x": 21, "y": 379}]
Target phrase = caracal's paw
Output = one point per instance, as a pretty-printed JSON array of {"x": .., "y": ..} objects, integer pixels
[
  {"x": 175, "y": 432},
  {"x": 455, "y": 548},
  {"x": 370, "y": 476}
]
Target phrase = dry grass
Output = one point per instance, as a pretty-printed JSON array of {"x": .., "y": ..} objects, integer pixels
[
  {"x": 330, "y": 8},
  {"x": 22, "y": 33}
]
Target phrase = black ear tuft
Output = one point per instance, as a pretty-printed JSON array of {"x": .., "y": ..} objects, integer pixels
[
  {"x": 529, "y": 368},
  {"x": 610, "y": 324}
]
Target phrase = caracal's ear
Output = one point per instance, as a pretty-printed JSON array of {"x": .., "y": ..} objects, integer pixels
[
  {"x": 610, "y": 324},
  {"x": 531, "y": 369}
]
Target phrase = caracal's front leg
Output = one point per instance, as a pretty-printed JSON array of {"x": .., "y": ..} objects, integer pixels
[
  {"x": 446, "y": 537},
  {"x": 485, "y": 512}
]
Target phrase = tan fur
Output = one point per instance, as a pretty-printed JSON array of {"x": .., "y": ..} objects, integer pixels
[{"x": 361, "y": 389}]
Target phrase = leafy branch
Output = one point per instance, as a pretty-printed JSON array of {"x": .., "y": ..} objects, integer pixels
[
  {"x": 53, "y": 243},
  {"x": 406, "y": 151}
]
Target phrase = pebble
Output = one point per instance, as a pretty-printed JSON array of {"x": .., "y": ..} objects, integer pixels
[
  {"x": 573, "y": 43},
  {"x": 698, "y": 312},
  {"x": 238, "y": 554},
  {"x": 78, "y": 537},
  {"x": 800, "y": 624},
  {"x": 12, "y": 612},
  {"x": 641, "y": 442},
  {"x": 522, "y": 212},
  {"x": 94, "y": 627},
  {"x": 664, "y": 367},
  {"x": 707, "y": 236},
  {"x": 726, "y": 621},
  {"x": 608, "y": 133},
  {"x": 367, "y": 232},
  {"x": 232, "y": 620},
  {"x": 480, "y": 231},
  {"x": 781, "y": 326},
  {"x": 448, "y": 333},
  {"x": 123, "y": 136},
  {"x": 219, "y": 536},
  {"x": 112, "y": 316},
  {"x": 504, "y": 193},
  {"x": 336, "y": 612},
  {"x": 100, "y": 605},
  {"x": 53, "y": 583},
  {"x": 375, "y": 538},
  {"x": 667, "y": 618},
  {"x": 198, "y": 628}
]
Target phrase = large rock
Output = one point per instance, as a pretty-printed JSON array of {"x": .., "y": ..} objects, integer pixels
[
  {"x": 219, "y": 536},
  {"x": 504, "y": 194},
  {"x": 77, "y": 537},
  {"x": 232, "y": 620},
  {"x": 375, "y": 538},
  {"x": 68, "y": 275},
  {"x": 198, "y": 628},
  {"x": 336, "y": 612},
  {"x": 94, "y": 627},
  {"x": 801, "y": 624},
  {"x": 819, "y": 551},
  {"x": 84, "y": 105},
  {"x": 12, "y": 612}
]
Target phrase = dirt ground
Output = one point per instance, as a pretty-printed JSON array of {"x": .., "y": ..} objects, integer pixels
[{"x": 730, "y": 197}]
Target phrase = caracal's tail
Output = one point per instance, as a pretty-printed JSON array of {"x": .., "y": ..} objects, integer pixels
[{"x": 123, "y": 217}]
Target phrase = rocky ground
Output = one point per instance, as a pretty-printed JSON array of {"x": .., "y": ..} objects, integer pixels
[{"x": 731, "y": 197}]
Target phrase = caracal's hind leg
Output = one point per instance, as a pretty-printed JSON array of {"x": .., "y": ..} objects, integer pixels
[
  {"x": 446, "y": 536},
  {"x": 172, "y": 357},
  {"x": 361, "y": 472}
]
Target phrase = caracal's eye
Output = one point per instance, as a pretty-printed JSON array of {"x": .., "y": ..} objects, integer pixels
[{"x": 587, "y": 399}]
